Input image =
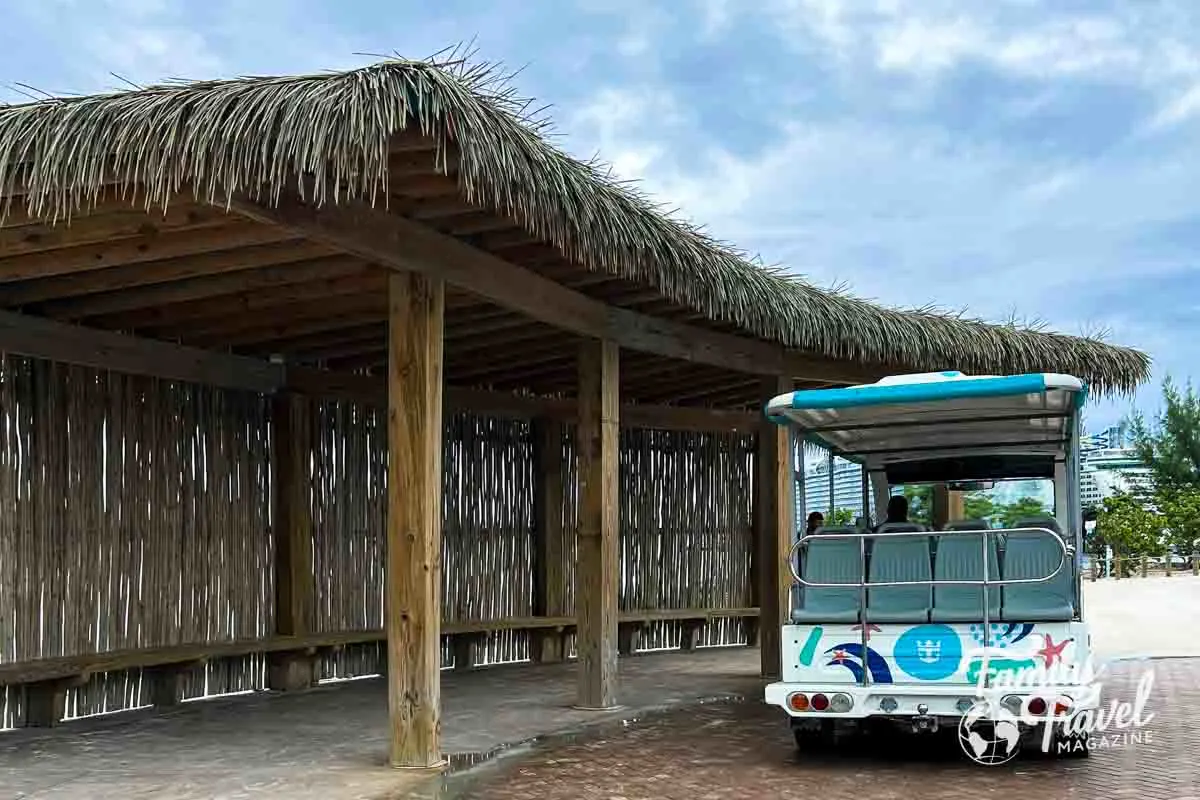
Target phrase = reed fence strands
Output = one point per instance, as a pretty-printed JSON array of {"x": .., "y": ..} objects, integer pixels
[
  {"x": 132, "y": 515},
  {"x": 136, "y": 513}
]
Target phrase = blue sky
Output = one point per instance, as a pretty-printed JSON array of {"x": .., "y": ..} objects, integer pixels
[{"x": 1019, "y": 157}]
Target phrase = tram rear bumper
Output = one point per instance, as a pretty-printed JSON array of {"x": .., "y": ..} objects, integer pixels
[{"x": 842, "y": 701}]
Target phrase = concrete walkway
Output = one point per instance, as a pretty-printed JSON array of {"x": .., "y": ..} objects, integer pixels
[
  {"x": 330, "y": 743},
  {"x": 1144, "y": 617}
]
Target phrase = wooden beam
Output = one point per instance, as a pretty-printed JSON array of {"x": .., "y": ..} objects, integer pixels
[
  {"x": 201, "y": 288},
  {"x": 771, "y": 579},
  {"x": 159, "y": 272},
  {"x": 414, "y": 520},
  {"x": 371, "y": 390},
  {"x": 35, "y": 337},
  {"x": 137, "y": 249},
  {"x": 354, "y": 278},
  {"x": 127, "y": 223},
  {"x": 598, "y": 561},
  {"x": 549, "y": 535},
  {"x": 402, "y": 244},
  {"x": 348, "y": 311}
]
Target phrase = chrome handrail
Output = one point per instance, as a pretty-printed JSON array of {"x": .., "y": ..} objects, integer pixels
[
  {"x": 862, "y": 586},
  {"x": 1064, "y": 549}
]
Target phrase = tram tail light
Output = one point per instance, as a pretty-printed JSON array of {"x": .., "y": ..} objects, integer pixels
[{"x": 798, "y": 701}]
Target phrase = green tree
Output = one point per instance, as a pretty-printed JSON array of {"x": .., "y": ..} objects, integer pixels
[
  {"x": 1170, "y": 445},
  {"x": 1026, "y": 507},
  {"x": 978, "y": 505},
  {"x": 920, "y": 503},
  {"x": 1180, "y": 510},
  {"x": 1129, "y": 527},
  {"x": 841, "y": 516}
]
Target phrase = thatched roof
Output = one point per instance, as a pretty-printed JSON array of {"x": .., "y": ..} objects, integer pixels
[{"x": 219, "y": 138}]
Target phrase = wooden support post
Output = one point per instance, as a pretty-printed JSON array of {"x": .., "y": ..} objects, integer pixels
[
  {"x": 691, "y": 634},
  {"x": 292, "y": 670},
  {"x": 1145, "y": 565},
  {"x": 598, "y": 555},
  {"x": 939, "y": 513},
  {"x": 412, "y": 605},
  {"x": 771, "y": 578},
  {"x": 294, "y": 582},
  {"x": 956, "y": 506},
  {"x": 46, "y": 703},
  {"x": 463, "y": 645},
  {"x": 548, "y": 538},
  {"x": 1195, "y": 563},
  {"x": 1116, "y": 563},
  {"x": 165, "y": 684},
  {"x": 629, "y": 635}
]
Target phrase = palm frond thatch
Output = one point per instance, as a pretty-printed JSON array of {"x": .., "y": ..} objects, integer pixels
[{"x": 261, "y": 134}]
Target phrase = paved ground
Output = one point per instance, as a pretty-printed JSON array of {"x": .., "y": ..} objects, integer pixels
[
  {"x": 1155, "y": 616},
  {"x": 330, "y": 743},
  {"x": 746, "y": 751}
]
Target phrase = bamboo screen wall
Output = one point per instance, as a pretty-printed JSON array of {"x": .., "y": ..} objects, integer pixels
[{"x": 134, "y": 513}]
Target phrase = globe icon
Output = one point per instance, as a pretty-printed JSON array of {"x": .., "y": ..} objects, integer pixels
[{"x": 989, "y": 734}]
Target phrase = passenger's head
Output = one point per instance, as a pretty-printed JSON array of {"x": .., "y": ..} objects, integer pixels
[
  {"x": 815, "y": 520},
  {"x": 897, "y": 509}
]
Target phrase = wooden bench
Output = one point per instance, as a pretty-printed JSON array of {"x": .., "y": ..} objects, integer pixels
[{"x": 292, "y": 660}]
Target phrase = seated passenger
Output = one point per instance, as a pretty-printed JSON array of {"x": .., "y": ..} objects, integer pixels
[
  {"x": 897, "y": 511},
  {"x": 815, "y": 520}
]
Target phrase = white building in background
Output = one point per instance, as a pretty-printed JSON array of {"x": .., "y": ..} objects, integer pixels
[
  {"x": 847, "y": 486},
  {"x": 1108, "y": 471},
  {"x": 1109, "y": 465}
]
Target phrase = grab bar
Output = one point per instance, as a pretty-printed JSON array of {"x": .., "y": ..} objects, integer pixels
[{"x": 1064, "y": 550}]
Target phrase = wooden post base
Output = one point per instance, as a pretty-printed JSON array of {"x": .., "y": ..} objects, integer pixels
[
  {"x": 46, "y": 703},
  {"x": 166, "y": 683},
  {"x": 691, "y": 634},
  {"x": 291, "y": 671},
  {"x": 547, "y": 646},
  {"x": 629, "y": 636}
]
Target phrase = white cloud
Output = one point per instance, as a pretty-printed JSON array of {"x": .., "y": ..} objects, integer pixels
[
  {"x": 927, "y": 46},
  {"x": 1181, "y": 109}
]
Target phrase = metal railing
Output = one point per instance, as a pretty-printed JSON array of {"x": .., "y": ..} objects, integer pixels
[{"x": 1066, "y": 552}]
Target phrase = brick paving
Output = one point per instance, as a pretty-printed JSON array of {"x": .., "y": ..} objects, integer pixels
[
  {"x": 330, "y": 743},
  {"x": 746, "y": 751}
]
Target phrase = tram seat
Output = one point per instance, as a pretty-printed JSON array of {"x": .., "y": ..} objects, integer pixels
[
  {"x": 900, "y": 560},
  {"x": 830, "y": 561},
  {"x": 1032, "y": 555},
  {"x": 960, "y": 558}
]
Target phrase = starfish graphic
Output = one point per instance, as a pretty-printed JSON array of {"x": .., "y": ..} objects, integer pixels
[
  {"x": 839, "y": 656},
  {"x": 1051, "y": 651},
  {"x": 871, "y": 628}
]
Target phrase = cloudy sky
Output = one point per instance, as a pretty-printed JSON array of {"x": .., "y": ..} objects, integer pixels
[{"x": 1024, "y": 158}]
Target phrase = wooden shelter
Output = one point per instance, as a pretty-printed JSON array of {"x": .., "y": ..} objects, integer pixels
[{"x": 282, "y": 353}]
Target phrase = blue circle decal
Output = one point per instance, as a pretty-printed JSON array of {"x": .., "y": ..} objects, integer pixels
[{"x": 928, "y": 652}]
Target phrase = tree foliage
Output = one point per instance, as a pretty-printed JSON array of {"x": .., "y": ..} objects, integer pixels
[
  {"x": 1170, "y": 445},
  {"x": 841, "y": 516},
  {"x": 1129, "y": 527},
  {"x": 920, "y": 503},
  {"x": 978, "y": 505},
  {"x": 1180, "y": 512},
  {"x": 1012, "y": 513}
]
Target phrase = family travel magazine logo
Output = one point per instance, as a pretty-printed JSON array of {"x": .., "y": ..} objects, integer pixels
[{"x": 1061, "y": 701}]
